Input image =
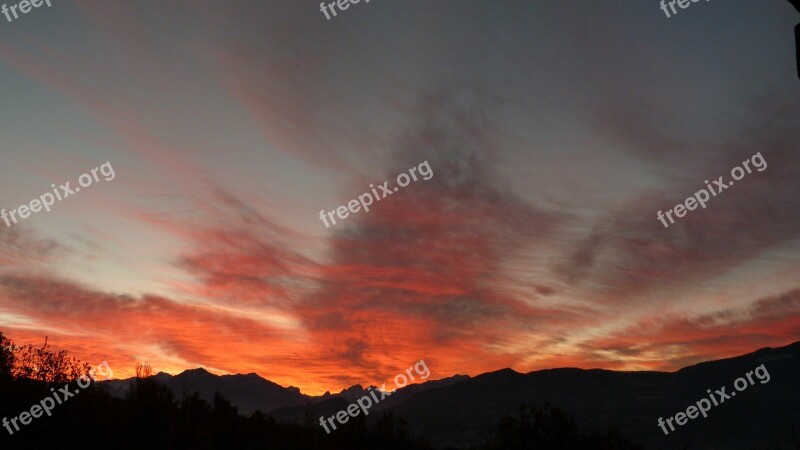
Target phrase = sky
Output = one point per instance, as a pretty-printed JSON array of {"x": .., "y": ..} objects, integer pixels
[{"x": 555, "y": 130}]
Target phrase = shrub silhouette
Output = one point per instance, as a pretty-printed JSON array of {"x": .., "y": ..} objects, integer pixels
[
  {"x": 6, "y": 356},
  {"x": 548, "y": 428},
  {"x": 43, "y": 364}
]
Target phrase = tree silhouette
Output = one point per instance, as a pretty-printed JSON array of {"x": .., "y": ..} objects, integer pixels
[
  {"x": 548, "y": 428},
  {"x": 43, "y": 364},
  {"x": 143, "y": 370},
  {"x": 6, "y": 356}
]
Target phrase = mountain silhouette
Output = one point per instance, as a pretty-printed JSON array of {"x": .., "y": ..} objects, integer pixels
[
  {"x": 461, "y": 411},
  {"x": 247, "y": 392},
  {"x": 762, "y": 416}
]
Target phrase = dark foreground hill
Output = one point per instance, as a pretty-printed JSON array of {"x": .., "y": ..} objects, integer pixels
[
  {"x": 760, "y": 417},
  {"x": 462, "y": 411}
]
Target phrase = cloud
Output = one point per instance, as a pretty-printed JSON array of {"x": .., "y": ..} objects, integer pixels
[
  {"x": 20, "y": 250},
  {"x": 420, "y": 273},
  {"x": 629, "y": 252},
  {"x": 244, "y": 258},
  {"x": 425, "y": 263},
  {"x": 669, "y": 342},
  {"x": 169, "y": 334},
  {"x": 435, "y": 270}
]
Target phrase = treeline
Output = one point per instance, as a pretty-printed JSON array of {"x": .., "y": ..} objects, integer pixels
[
  {"x": 549, "y": 428},
  {"x": 150, "y": 417}
]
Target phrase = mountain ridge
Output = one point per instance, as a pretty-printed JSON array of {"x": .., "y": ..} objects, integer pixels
[{"x": 461, "y": 411}]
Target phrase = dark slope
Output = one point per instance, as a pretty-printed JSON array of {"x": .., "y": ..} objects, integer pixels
[{"x": 762, "y": 415}]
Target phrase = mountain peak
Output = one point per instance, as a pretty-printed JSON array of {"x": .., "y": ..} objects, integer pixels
[
  {"x": 355, "y": 387},
  {"x": 200, "y": 371},
  {"x": 506, "y": 371}
]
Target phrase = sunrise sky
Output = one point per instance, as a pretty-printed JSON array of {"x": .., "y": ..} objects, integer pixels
[{"x": 555, "y": 131}]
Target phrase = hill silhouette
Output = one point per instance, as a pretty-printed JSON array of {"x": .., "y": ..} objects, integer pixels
[
  {"x": 763, "y": 416},
  {"x": 461, "y": 411},
  {"x": 556, "y": 409}
]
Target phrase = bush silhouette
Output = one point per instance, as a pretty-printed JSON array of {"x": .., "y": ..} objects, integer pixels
[
  {"x": 548, "y": 428},
  {"x": 43, "y": 364}
]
